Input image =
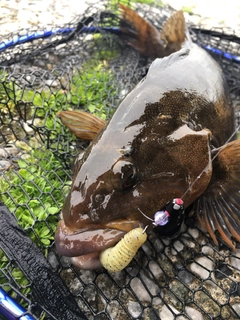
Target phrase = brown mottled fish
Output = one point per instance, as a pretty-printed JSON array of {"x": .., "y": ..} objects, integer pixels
[
  {"x": 167, "y": 139},
  {"x": 145, "y": 38}
]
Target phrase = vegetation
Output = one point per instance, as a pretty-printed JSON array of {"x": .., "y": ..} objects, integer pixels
[{"x": 36, "y": 188}]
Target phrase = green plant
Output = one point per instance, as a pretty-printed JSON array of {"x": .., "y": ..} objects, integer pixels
[
  {"x": 16, "y": 273},
  {"x": 36, "y": 193},
  {"x": 128, "y": 3},
  {"x": 35, "y": 190},
  {"x": 189, "y": 10},
  {"x": 91, "y": 87}
]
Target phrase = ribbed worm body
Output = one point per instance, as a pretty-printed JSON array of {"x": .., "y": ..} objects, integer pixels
[{"x": 118, "y": 257}]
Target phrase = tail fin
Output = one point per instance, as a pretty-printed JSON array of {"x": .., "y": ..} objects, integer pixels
[
  {"x": 83, "y": 125},
  {"x": 145, "y": 38}
]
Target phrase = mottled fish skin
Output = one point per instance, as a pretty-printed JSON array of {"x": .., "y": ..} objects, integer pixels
[
  {"x": 159, "y": 145},
  {"x": 156, "y": 145}
]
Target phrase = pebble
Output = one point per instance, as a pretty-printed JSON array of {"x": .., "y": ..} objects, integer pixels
[
  {"x": 112, "y": 309},
  {"x": 235, "y": 259},
  {"x": 134, "y": 309},
  {"x": 185, "y": 276},
  {"x": 236, "y": 308},
  {"x": 207, "y": 250},
  {"x": 177, "y": 247},
  {"x": 138, "y": 287},
  {"x": 193, "y": 232},
  {"x": 25, "y": 14},
  {"x": 155, "y": 269},
  {"x": 187, "y": 241},
  {"x": 166, "y": 314},
  {"x": 27, "y": 128},
  {"x": 201, "y": 271},
  {"x": 143, "y": 290},
  {"x": 194, "y": 314},
  {"x": 8, "y": 151},
  {"x": 5, "y": 165}
]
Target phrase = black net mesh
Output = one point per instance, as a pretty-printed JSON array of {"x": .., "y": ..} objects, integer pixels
[{"x": 187, "y": 278}]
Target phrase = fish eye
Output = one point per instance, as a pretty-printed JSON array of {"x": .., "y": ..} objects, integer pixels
[{"x": 99, "y": 197}]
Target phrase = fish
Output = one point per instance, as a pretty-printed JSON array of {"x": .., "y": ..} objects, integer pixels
[{"x": 172, "y": 136}]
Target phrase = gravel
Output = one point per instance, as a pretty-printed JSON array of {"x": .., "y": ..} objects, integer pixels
[{"x": 18, "y": 14}]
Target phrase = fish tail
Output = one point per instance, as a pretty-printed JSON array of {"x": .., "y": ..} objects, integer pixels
[
  {"x": 144, "y": 37},
  {"x": 140, "y": 34},
  {"x": 82, "y": 124},
  {"x": 218, "y": 208}
]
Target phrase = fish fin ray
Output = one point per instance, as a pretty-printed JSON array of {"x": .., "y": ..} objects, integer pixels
[
  {"x": 174, "y": 32},
  {"x": 218, "y": 208},
  {"x": 140, "y": 34},
  {"x": 201, "y": 207},
  {"x": 83, "y": 125}
]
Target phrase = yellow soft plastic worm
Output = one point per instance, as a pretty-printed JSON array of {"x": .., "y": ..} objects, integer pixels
[{"x": 118, "y": 257}]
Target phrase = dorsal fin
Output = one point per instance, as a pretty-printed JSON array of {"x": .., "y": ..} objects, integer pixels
[
  {"x": 174, "y": 32},
  {"x": 174, "y": 28}
]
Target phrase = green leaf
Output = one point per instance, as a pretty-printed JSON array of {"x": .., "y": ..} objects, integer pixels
[
  {"x": 53, "y": 210},
  {"x": 46, "y": 242},
  {"x": 22, "y": 164},
  {"x": 91, "y": 108},
  {"x": 26, "y": 174}
]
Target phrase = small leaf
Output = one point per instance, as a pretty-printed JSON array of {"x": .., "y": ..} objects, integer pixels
[
  {"x": 46, "y": 242},
  {"x": 53, "y": 210},
  {"x": 22, "y": 164},
  {"x": 26, "y": 174},
  {"x": 91, "y": 108}
]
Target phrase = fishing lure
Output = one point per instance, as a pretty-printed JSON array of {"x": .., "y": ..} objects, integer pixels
[
  {"x": 118, "y": 257},
  {"x": 168, "y": 221}
]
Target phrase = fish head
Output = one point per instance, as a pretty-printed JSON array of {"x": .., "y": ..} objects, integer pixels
[{"x": 115, "y": 182}]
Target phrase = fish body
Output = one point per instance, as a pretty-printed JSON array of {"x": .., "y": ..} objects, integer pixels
[{"x": 159, "y": 145}]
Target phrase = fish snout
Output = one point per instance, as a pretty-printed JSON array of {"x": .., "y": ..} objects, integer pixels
[
  {"x": 85, "y": 245},
  {"x": 84, "y": 241}
]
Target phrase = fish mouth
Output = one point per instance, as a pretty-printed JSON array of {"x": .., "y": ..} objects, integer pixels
[{"x": 85, "y": 245}]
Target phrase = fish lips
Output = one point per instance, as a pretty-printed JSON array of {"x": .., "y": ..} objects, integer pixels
[{"x": 85, "y": 241}]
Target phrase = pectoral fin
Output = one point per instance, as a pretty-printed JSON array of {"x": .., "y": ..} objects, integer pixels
[
  {"x": 218, "y": 208},
  {"x": 82, "y": 124}
]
